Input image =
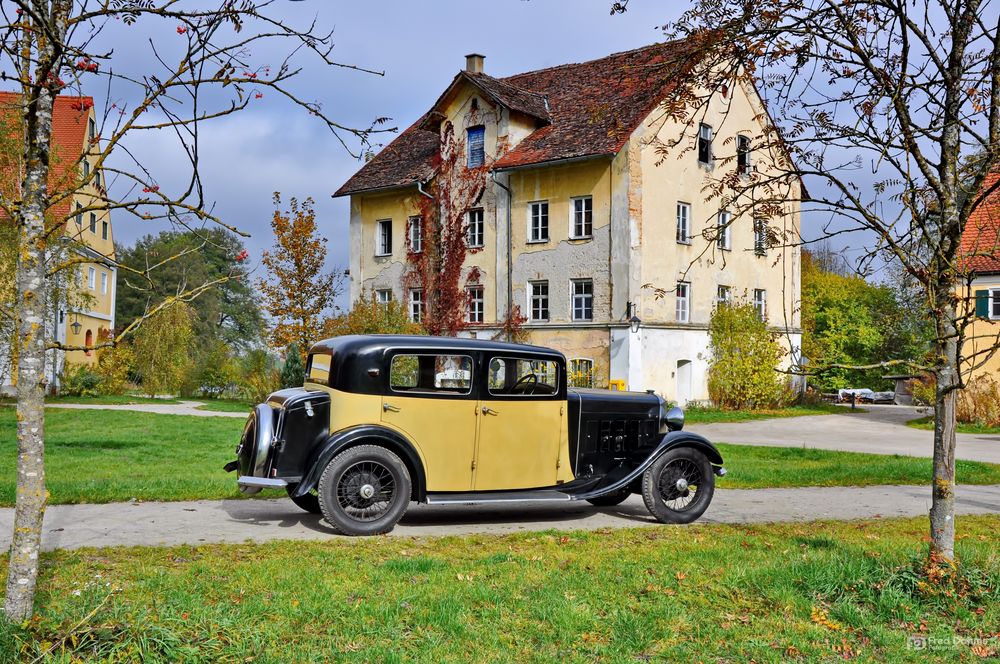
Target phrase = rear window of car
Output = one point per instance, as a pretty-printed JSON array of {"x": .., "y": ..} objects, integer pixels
[
  {"x": 318, "y": 368},
  {"x": 445, "y": 374},
  {"x": 523, "y": 377}
]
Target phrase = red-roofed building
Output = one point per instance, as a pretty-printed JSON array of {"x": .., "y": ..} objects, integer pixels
[
  {"x": 980, "y": 255},
  {"x": 580, "y": 210},
  {"x": 87, "y": 310}
]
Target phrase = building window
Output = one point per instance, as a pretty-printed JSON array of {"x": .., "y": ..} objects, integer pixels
[
  {"x": 724, "y": 230},
  {"x": 383, "y": 295},
  {"x": 91, "y": 130},
  {"x": 683, "y": 301},
  {"x": 104, "y": 283},
  {"x": 995, "y": 303},
  {"x": 93, "y": 222},
  {"x": 583, "y": 299},
  {"x": 760, "y": 236},
  {"x": 415, "y": 230},
  {"x": 539, "y": 300},
  {"x": 581, "y": 372},
  {"x": 705, "y": 144},
  {"x": 743, "y": 165},
  {"x": 416, "y": 304},
  {"x": 79, "y": 215},
  {"x": 475, "y": 304},
  {"x": 760, "y": 303},
  {"x": 383, "y": 237},
  {"x": 104, "y": 230},
  {"x": 583, "y": 217},
  {"x": 86, "y": 170},
  {"x": 474, "y": 228},
  {"x": 723, "y": 295},
  {"x": 683, "y": 223},
  {"x": 88, "y": 341},
  {"x": 538, "y": 221},
  {"x": 477, "y": 150},
  {"x": 91, "y": 278}
]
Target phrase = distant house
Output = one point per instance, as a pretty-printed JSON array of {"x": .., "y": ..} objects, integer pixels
[
  {"x": 581, "y": 211},
  {"x": 89, "y": 310},
  {"x": 980, "y": 252}
]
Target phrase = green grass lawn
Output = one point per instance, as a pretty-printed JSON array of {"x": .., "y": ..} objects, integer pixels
[
  {"x": 711, "y": 415},
  {"x": 226, "y": 406},
  {"x": 100, "y": 456},
  {"x": 927, "y": 424},
  {"x": 720, "y": 593}
]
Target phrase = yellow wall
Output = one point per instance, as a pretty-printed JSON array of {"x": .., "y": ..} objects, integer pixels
[{"x": 982, "y": 334}]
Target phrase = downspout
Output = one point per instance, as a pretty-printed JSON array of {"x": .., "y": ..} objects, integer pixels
[
  {"x": 510, "y": 287},
  {"x": 420, "y": 188}
]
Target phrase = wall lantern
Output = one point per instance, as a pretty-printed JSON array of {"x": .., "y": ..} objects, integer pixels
[
  {"x": 634, "y": 321},
  {"x": 75, "y": 325}
]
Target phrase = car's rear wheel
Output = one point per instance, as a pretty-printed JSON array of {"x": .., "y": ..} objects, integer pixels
[
  {"x": 611, "y": 499},
  {"x": 678, "y": 487},
  {"x": 307, "y": 501},
  {"x": 364, "y": 490}
]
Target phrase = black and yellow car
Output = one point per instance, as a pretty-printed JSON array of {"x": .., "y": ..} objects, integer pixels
[{"x": 385, "y": 420}]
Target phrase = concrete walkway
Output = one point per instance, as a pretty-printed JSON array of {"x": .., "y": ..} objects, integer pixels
[
  {"x": 262, "y": 520},
  {"x": 880, "y": 430},
  {"x": 179, "y": 408}
]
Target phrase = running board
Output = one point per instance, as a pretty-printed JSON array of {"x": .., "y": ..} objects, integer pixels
[{"x": 547, "y": 496}]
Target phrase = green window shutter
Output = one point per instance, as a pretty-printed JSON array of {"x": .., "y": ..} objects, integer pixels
[{"x": 982, "y": 304}]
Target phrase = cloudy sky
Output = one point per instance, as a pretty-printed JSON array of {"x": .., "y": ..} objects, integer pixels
[{"x": 419, "y": 45}]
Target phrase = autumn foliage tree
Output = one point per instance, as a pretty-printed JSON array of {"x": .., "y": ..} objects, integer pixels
[
  {"x": 298, "y": 292},
  {"x": 369, "y": 316}
]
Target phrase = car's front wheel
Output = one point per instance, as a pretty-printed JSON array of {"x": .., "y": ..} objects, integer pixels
[
  {"x": 364, "y": 490},
  {"x": 679, "y": 485}
]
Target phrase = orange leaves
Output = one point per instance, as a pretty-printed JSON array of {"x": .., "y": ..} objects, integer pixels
[{"x": 819, "y": 616}]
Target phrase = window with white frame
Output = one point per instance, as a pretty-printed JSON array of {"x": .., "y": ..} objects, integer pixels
[
  {"x": 583, "y": 299},
  {"x": 538, "y": 221},
  {"x": 477, "y": 146},
  {"x": 91, "y": 130},
  {"x": 583, "y": 217},
  {"x": 581, "y": 372},
  {"x": 705, "y": 144},
  {"x": 104, "y": 283},
  {"x": 474, "y": 232},
  {"x": 724, "y": 231},
  {"x": 538, "y": 300},
  {"x": 743, "y": 164},
  {"x": 93, "y": 222},
  {"x": 91, "y": 278},
  {"x": 760, "y": 236},
  {"x": 383, "y": 295},
  {"x": 995, "y": 303},
  {"x": 383, "y": 237},
  {"x": 683, "y": 223},
  {"x": 416, "y": 304},
  {"x": 475, "y": 304},
  {"x": 723, "y": 294},
  {"x": 760, "y": 303},
  {"x": 683, "y": 308},
  {"x": 415, "y": 228}
]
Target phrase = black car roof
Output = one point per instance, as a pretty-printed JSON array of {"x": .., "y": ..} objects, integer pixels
[{"x": 365, "y": 343}]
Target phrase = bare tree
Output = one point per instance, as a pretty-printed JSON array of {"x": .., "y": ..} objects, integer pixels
[
  {"x": 213, "y": 66},
  {"x": 889, "y": 111}
]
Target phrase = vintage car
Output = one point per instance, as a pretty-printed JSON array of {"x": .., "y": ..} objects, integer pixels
[{"x": 385, "y": 420}]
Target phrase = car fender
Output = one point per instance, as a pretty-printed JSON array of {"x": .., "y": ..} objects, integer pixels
[{"x": 366, "y": 434}]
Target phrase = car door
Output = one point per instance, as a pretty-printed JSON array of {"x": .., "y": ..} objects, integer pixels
[
  {"x": 429, "y": 398},
  {"x": 521, "y": 421}
]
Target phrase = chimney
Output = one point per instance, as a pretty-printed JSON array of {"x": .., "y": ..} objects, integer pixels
[{"x": 474, "y": 63}]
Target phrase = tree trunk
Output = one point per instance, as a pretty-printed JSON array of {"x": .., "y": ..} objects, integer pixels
[
  {"x": 32, "y": 293},
  {"x": 942, "y": 515}
]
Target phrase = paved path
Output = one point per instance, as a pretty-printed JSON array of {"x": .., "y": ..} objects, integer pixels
[
  {"x": 261, "y": 520},
  {"x": 179, "y": 408},
  {"x": 880, "y": 430}
]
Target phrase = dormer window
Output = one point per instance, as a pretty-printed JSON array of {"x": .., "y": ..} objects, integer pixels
[{"x": 476, "y": 142}]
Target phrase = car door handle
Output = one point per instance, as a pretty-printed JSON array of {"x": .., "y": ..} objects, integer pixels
[
  {"x": 388, "y": 407},
  {"x": 489, "y": 411}
]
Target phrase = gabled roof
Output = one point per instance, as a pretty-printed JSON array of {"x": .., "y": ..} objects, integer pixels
[
  {"x": 584, "y": 109},
  {"x": 980, "y": 247}
]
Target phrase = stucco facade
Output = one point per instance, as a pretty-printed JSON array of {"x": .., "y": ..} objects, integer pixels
[{"x": 630, "y": 247}]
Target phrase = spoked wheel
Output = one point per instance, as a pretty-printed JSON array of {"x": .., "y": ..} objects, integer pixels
[
  {"x": 309, "y": 501},
  {"x": 678, "y": 487},
  {"x": 364, "y": 491},
  {"x": 611, "y": 499}
]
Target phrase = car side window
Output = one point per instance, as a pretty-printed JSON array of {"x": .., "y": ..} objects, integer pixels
[
  {"x": 433, "y": 374},
  {"x": 523, "y": 377},
  {"x": 318, "y": 369}
]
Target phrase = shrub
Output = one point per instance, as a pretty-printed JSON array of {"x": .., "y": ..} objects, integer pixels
[
  {"x": 293, "y": 373},
  {"x": 260, "y": 378},
  {"x": 741, "y": 373},
  {"x": 162, "y": 349},
  {"x": 114, "y": 366},
  {"x": 924, "y": 390},
  {"x": 79, "y": 380},
  {"x": 368, "y": 316},
  {"x": 979, "y": 402},
  {"x": 216, "y": 374}
]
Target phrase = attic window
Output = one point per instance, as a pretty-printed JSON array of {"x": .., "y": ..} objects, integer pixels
[
  {"x": 477, "y": 154},
  {"x": 475, "y": 104}
]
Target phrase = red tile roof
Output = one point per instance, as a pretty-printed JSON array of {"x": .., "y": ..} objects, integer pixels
[
  {"x": 980, "y": 248},
  {"x": 585, "y": 109},
  {"x": 69, "y": 136}
]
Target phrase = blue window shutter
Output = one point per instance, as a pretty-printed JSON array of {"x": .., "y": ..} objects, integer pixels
[
  {"x": 477, "y": 156},
  {"x": 982, "y": 304}
]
